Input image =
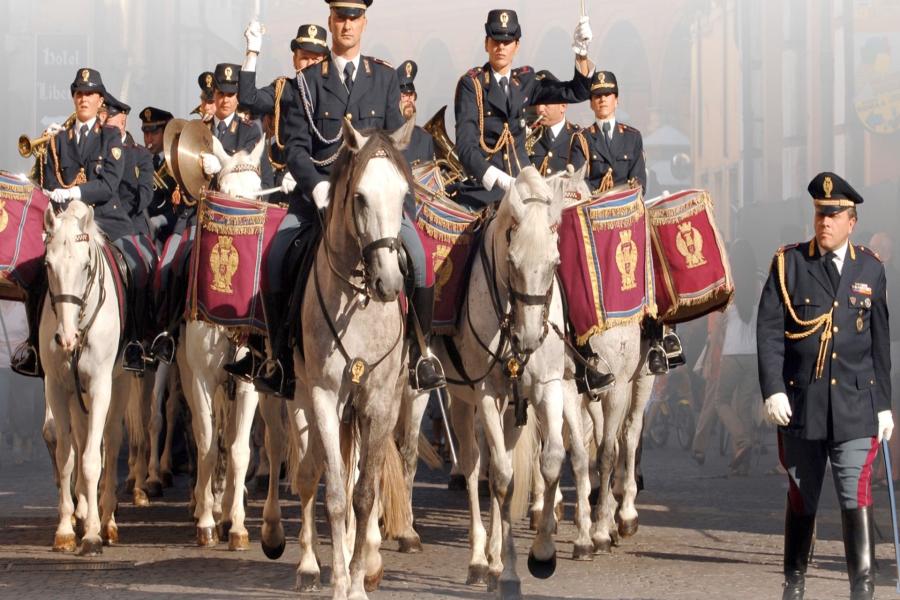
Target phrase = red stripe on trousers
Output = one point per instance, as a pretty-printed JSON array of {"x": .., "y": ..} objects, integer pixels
[
  {"x": 864, "y": 488},
  {"x": 795, "y": 498}
]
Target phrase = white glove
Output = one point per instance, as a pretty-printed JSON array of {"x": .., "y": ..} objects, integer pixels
[
  {"x": 253, "y": 34},
  {"x": 778, "y": 409},
  {"x": 582, "y": 37},
  {"x": 211, "y": 164},
  {"x": 60, "y": 195},
  {"x": 158, "y": 221},
  {"x": 885, "y": 425},
  {"x": 289, "y": 183},
  {"x": 505, "y": 181},
  {"x": 53, "y": 129},
  {"x": 320, "y": 194}
]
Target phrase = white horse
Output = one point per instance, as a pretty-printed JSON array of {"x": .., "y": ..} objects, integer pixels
[
  {"x": 80, "y": 334},
  {"x": 204, "y": 350},
  {"x": 509, "y": 341}
]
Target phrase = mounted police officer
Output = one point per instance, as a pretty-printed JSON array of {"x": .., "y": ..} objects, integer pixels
[
  {"x": 226, "y": 125},
  {"x": 365, "y": 90},
  {"x": 550, "y": 145},
  {"x": 85, "y": 162},
  {"x": 207, "y": 106},
  {"x": 824, "y": 371},
  {"x": 615, "y": 150},
  {"x": 161, "y": 212},
  {"x": 421, "y": 147},
  {"x": 490, "y": 108}
]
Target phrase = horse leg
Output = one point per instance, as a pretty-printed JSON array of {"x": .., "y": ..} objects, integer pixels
[
  {"x": 137, "y": 437},
  {"x": 242, "y": 418},
  {"x": 157, "y": 394},
  {"x": 48, "y": 432},
  {"x": 613, "y": 409},
  {"x": 57, "y": 414},
  {"x": 410, "y": 426},
  {"x": 462, "y": 415},
  {"x": 123, "y": 387},
  {"x": 272, "y": 536},
  {"x": 549, "y": 406},
  {"x": 201, "y": 423},
  {"x": 306, "y": 447},
  {"x": 173, "y": 385},
  {"x": 583, "y": 546},
  {"x": 537, "y": 486},
  {"x": 92, "y": 426},
  {"x": 628, "y": 516}
]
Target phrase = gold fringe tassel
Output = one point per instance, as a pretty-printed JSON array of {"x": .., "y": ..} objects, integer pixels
[{"x": 676, "y": 214}]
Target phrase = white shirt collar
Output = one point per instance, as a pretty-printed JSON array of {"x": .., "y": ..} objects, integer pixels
[
  {"x": 227, "y": 120},
  {"x": 498, "y": 76},
  {"x": 839, "y": 254},
  {"x": 90, "y": 126},
  {"x": 340, "y": 63},
  {"x": 611, "y": 121},
  {"x": 557, "y": 128}
]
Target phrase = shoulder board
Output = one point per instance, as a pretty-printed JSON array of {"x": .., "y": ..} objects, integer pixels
[
  {"x": 475, "y": 71},
  {"x": 623, "y": 128},
  {"x": 522, "y": 71},
  {"x": 785, "y": 248},
  {"x": 593, "y": 128},
  {"x": 868, "y": 251},
  {"x": 379, "y": 61}
]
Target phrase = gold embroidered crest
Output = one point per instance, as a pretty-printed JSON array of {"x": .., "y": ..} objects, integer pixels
[
  {"x": 690, "y": 244},
  {"x": 4, "y": 216},
  {"x": 85, "y": 75},
  {"x": 443, "y": 268},
  {"x": 209, "y": 79},
  {"x": 504, "y": 19},
  {"x": 827, "y": 187},
  {"x": 228, "y": 73},
  {"x": 223, "y": 260},
  {"x": 626, "y": 260},
  {"x": 409, "y": 69},
  {"x": 357, "y": 371},
  {"x": 116, "y": 153}
]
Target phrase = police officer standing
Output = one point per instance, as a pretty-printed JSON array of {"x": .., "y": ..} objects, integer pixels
[
  {"x": 490, "y": 108},
  {"x": 421, "y": 147},
  {"x": 824, "y": 370},
  {"x": 552, "y": 141}
]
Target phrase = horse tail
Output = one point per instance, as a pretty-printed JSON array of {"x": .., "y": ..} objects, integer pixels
[
  {"x": 428, "y": 454},
  {"x": 394, "y": 494},
  {"x": 523, "y": 460},
  {"x": 349, "y": 435}
]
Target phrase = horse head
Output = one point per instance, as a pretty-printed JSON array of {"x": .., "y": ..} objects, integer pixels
[
  {"x": 239, "y": 176},
  {"x": 368, "y": 186},
  {"x": 73, "y": 241},
  {"x": 530, "y": 214}
]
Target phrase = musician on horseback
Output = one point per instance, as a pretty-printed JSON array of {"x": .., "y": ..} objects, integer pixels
[
  {"x": 207, "y": 107},
  {"x": 364, "y": 90},
  {"x": 86, "y": 162},
  {"x": 421, "y": 148},
  {"x": 550, "y": 142},
  {"x": 161, "y": 213}
]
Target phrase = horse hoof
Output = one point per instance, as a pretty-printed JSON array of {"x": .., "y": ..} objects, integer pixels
[
  {"x": 167, "y": 480},
  {"x": 371, "y": 582},
  {"x": 478, "y": 575},
  {"x": 110, "y": 535},
  {"x": 603, "y": 546},
  {"x": 154, "y": 489},
  {"x": 308, "y": 582},
  {"x": 583, "y": 552},
  {"x": 140, "y": 498},
  {"x": 493, "y": 581},
  {"x": 594, "y": 496},
  {"x": 91, "y": 547},
  {"x": 457, "y": 483},
  {"x": 510, "y": 590},
  {"x": 78, "y": 526},
  {"x": 262, "y": 483},
  {"x": 273, "y": 552},
  {"x": 224, "y": 528},
  {"x": 129, "y": 485},
  {"x": 206, "y": 537},
  {"x": 628, "y": 528},
  {"x": 542, "y": 569},
  {"x": 64, "y": 542},
  {"x": 484, "y": 488},
  {"x": 238, "y": 541},
  {"x": 410, "y": 545},
  {"x": 614, "y": 537}
]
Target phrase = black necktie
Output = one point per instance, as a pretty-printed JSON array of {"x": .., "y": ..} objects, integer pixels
[
  {"x": 220, "y": 128},
  {"x": 348, "y": 76},
  {"x": 504, "y": 85},
  {"x": 832, "y": 271},
  {"x": 157, "y": 161},
  {"x": 82, "y": 139},
  {"x": 606, "y": 129}
]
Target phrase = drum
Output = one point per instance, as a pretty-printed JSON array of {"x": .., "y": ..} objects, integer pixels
[{"x": 22, "y": 207}]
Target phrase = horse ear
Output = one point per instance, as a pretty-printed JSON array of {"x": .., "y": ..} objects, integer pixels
[
  {"x": 49, "y": 219},
  {"x": 219, "y": 151},
  {"x": 257, "y": 152},
  {"x": 513, "y": 198},
  {"x": 403, "y": 136},
  {"x": 352, "y": 138}
]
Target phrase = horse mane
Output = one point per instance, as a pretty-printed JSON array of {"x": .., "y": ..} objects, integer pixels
[
  {"x": 345, "y": 177},
  {"x": 78, "y": 211}
]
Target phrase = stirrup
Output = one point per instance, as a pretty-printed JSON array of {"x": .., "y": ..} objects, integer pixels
[
  {"x": 671, "y": 345},
  {"x": 417, "y": 374},
  {"x": 25, "y": 361},
  {"x": 265, "y": 379},
  {"x": 163, "y": 348},
  {"x": 239, "y": 369},
  {"x": 657, "y": 362},
  {"x": 133, "y": 357}
]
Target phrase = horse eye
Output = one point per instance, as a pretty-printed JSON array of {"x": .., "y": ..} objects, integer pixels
[{"x": 358, "y": 197}]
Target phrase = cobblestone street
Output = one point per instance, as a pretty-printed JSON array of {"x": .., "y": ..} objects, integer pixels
[{"x": 701, "y": 535}]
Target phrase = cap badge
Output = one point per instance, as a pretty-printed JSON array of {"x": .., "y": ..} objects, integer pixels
[
  {"x": 409, "y": 69},
  {"x": 504, "y": 19},
  {"x": 827, "y": 186},
  {"x": 602, "y": 77},
  {"x": 228, "y": 73},
  {"x": 312, "y": 30},
  {"x": 209, "y": 81},
  {"x": 147, "y": 114},
  {"x": 85, "y": 75}
]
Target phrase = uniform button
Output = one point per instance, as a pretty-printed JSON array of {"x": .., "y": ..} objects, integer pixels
[
  {"x": 594, "y": 156},
  {"x": 488, "y": 113},
  {"x": 834, "y": 382},
  {"x": 834, "y": 355},
  {"x": 835, "y": 302},
  {"x": 791, "y": 382},
  {"x": 349, "y": 117},
  {"x": 806, "y": 300},
  {"x": 871, "y": 382},
  {"x": 326, "y": 113},
  {"x": 550, "y": 154},
  {"x": 505, "y": 156},
  {"x": 834, "y": 329},
  {"x": 373, "y": 113}
]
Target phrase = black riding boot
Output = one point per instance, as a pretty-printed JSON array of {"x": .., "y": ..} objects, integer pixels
[
  {"x": 588, "y": 379},
  {"x": 857, "y": 527},
  {"x": 26, "y": 358},
  {"x": 426, "y": 372},
  {"x": 245, "y": 368},
  {"x": 798, "y": 535},
  {"x": 276, "y": 375},
  {"x": 657, "y": 363},
  {"x": 671, "y": 344}
]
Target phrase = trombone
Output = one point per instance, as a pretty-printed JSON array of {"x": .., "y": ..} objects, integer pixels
[{"x": 35, "y": 147}]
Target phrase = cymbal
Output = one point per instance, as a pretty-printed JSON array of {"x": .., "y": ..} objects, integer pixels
[
  {"x": 171, "y": 133},
  {"x": 195, "y": 138}
]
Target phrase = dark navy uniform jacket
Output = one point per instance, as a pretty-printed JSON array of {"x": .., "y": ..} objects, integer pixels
[
  {"x": 524, "y": 90},
  {"x": 421, "y": 147},
  {"x": 373, "y": 104},
  {"x": 161, "y": 204},
  {"x": 552, "y": 154},
  {"x": 136, "y": 187},
  {"x": 855, "y": 385},
  {"x": 103, "y": 161},
  {"x": 624, "y": 154},
  {"x": 262, "y": 101},
  {"x": 239, "y": 135}
]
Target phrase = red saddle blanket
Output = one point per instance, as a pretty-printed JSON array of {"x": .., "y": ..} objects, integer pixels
[
  {"x": 228, "y": 260},
  {"x": 605, "y": 266},
  {"x": 22, "y": 207},
  {"x": 693, "y": 277},
  {"x": 448, "y": 236}
]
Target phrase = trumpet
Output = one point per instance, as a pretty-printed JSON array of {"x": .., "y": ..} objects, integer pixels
[{"x": 33, "y": 147}]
